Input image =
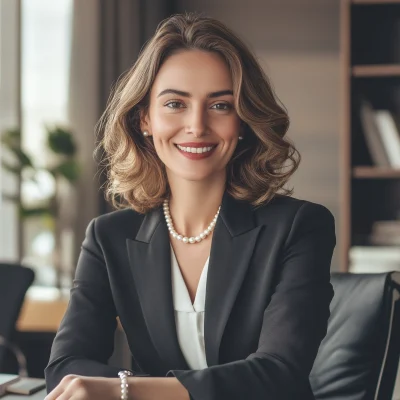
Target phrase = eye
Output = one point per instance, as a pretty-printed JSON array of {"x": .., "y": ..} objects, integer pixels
[
  {"x": 222, "y": 106},
  {"x": 174, "y": 104}
]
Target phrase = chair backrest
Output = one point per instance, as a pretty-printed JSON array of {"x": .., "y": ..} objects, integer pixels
[
  {"x": 14, "y": 282},
  {"x": 359, "y": 357}
]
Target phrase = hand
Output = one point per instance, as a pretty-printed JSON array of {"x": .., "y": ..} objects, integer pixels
[{"x": 76, "y": 387}]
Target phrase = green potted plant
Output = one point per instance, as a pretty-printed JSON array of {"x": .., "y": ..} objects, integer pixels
[{"x": 64, "y": 168}]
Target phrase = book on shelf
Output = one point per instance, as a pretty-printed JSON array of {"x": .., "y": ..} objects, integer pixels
[
  {"x": 384, "y": 240},
  {"x": 372, "y": 136},
  {"x": 374, "y": 259},
  {"x": 391, "y": 227},
  {"x": 381, "y": 135},
  {"x": 385, "y": 233},
  {"x": 390, "y": 136}
]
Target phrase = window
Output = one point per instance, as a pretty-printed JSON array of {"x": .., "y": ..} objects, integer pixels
[
  {"x": 45, "y": 29},
  {"x": 9, "y": 109}
]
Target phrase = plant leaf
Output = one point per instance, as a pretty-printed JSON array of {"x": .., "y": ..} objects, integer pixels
[
  {"x": 61, "y": 141},
  {"x": 11, "y": 168},
  {"x": 11, "y": 138},
  {"x": 23, "y": 158},
  {"x": 69, "y": 169},
  {"x": 34, "y": 212},
  {"x": 7, "y": 197}
]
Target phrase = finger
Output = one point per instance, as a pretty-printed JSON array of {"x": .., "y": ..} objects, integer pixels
[
  {"x": 60, "y": 388},
  {"x": 73, "y": 393},
  {"x": 55, "y": 393},
  {"x": 65, "y": 396}
]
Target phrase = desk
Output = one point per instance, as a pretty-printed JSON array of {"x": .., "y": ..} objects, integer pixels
[
  {"x": 41, "y": 315},
  {"x": 43, "y": 309},
  {"x": 36, "y": 396}
]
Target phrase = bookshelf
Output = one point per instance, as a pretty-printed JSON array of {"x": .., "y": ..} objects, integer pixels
[
  {"x": 375, "y": 173},
  {"x": 375, "y": 70},
  {"x": 370, "y": 76}
]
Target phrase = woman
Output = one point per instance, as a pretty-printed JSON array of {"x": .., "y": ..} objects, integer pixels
[{"x": 222, "y": 284}]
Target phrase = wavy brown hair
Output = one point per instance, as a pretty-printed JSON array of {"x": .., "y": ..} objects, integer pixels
[{"x": 259, "y": 167}]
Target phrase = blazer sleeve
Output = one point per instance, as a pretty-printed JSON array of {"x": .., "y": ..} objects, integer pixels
[
  {"x": 294, "y": 322},
  {"x": 85, "y": 339}
]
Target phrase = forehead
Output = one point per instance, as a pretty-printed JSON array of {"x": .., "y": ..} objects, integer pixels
[{"x": 193, "y": 71}]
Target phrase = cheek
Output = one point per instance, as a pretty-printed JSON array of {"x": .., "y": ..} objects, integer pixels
[
  {"x": 229, "y": 131},
  {"x": 163, "y": 130},
  {"x": 163, "y": 125}
]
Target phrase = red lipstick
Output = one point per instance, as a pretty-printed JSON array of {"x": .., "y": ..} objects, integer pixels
[
  {"x": 196, "y": 144},
  {"x": 196, "y": 156}
]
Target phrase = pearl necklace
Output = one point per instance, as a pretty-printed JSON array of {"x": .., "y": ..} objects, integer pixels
[{"x": 185, "y": 239}]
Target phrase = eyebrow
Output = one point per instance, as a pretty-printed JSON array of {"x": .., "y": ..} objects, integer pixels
[{"x": 187, "y": 94}]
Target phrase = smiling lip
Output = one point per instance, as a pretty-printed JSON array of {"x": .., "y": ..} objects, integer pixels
[
  {"x": 196, "y": 156},
  {"x": 196, "y": 144}
]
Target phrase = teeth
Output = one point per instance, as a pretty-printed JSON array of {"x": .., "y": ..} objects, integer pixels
[{"x": 195, "y": 149}]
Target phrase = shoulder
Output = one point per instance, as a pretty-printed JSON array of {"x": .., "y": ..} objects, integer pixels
[
  {"x": 125, "y": 222},
  {"x": 290, "y": 211},
  {"x": 293, "y": 221}
]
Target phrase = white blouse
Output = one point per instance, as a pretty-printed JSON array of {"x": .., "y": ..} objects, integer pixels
[{"x": 189, "y": 318}]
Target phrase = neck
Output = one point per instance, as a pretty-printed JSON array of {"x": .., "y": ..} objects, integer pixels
[{"x": 193, "y": 205}]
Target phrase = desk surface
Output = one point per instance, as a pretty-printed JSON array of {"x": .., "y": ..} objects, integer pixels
[
  {"x": 43, "y": 314},
  {"x": 36, "y": 396},
  {"x": 43, "y": 309}
]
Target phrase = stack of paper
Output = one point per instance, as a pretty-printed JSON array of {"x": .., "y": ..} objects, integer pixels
[{"x": 374, "y": 259}]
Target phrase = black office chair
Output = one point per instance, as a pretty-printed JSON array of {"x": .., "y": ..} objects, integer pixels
[
  {"x": 359, "y": 357},
  {"x": 14, "y": 282}
]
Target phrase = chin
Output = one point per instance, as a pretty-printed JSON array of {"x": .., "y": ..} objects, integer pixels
[{"x": 195, "y": 175}]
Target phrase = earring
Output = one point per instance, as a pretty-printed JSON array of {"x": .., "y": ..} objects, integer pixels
[
  {"x": 145, "y": 133},
  {"x": 240, "y": 137}
]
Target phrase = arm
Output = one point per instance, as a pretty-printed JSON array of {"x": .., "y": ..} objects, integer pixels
[
  {"x": 156, "y": 388},
  {"x": 85, "y": 339},
  {"x": 294, "y": 324}
]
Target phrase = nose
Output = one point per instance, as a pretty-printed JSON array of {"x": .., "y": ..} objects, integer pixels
[{"x": 197, "y": 122}]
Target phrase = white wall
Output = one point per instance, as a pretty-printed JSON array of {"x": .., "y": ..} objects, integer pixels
[{"x": 297, "y": 43}]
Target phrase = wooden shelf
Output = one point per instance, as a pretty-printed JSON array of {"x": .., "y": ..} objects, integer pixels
[
  {"x": 375, "y": 2},
  {"x": 375, "y": 173},
  {"x": 389, "y": 70}
]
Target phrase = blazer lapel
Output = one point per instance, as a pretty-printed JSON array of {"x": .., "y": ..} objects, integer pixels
[
  {"x": 150, "y": 262},
  {"x": 232, "y": 246},
  {"x": 233, "y": 241}
]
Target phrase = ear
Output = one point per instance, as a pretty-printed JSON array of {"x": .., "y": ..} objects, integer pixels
[{"x": 144, "y": 120}]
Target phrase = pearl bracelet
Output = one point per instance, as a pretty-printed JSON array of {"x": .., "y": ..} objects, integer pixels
[{"x": 124, "y": 383}]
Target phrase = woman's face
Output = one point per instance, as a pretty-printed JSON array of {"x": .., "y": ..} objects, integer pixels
[{"x": 191, "y": 115}]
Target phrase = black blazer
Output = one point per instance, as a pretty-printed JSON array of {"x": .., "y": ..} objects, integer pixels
[{"x": 267, "y": 300}]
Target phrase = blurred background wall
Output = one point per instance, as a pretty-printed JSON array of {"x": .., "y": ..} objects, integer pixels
[{"x": 59, "y": 61}]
